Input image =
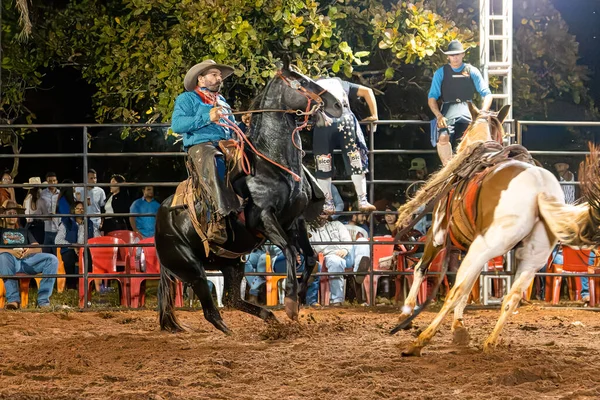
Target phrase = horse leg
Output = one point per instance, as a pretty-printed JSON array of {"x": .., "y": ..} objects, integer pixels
[
  {"x": 469, "y": 271},
  {"x": 211, "y": 312},
  {"x": 531, "y": 255},
  {"x": 233, "y": 276},
  {"x": 429, "y": 253},
  {"x": 277, "y": 236},
  {"x": 460, "y": 335}
]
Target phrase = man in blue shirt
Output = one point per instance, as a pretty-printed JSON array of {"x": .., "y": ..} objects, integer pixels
[
  {"x": 144, "y": 205},
  {"x": 455, "y": 83},
  {"x": 201, "y": 116}
]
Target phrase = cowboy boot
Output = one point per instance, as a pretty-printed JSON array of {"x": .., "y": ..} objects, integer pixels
[
  {"x": 360, "y": 185},
  {"x": 329, "y": 206}
]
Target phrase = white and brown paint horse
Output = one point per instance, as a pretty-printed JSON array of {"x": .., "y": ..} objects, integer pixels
[{"x": 518, "y": 205}]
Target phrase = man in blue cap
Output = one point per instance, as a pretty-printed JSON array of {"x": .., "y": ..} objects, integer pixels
[{"x": 455, "y": 83}]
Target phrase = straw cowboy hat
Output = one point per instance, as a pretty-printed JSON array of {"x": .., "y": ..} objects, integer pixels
[
  {"x": 454, "y": 47},
  {"x": 33, "y": 181},
  {"x": 191, "y": 78},
  {"x": 11, "y": 205}
]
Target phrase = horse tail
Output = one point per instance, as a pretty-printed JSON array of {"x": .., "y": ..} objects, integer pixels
[
  {"x": 167, "y": 288},
  {"x": 434, "y": 185},
  {"x": 577, "y": 225}
]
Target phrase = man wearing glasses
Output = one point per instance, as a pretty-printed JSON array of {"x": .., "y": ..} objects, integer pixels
[{"x": 15, "y": 259}]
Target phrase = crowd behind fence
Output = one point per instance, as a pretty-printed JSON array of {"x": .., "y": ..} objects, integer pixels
[{"x": 85, "y": 155}]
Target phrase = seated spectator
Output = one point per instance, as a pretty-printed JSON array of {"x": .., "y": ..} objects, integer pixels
[
  {"x": 418, "y": 169},
  {"x": 557, "y": 258},
  {"x": 337, "y": 256},
  {"x": 565, "y": 175},
  {"x": 95, "y": 197},
  {"x": 72, "y": 231},
  {"x": 360, "y": 221},
  {"x": 15, "y": 259},
  {"x": 257, "y": 263},
  {"x": 388, "y": 226},
  {"x": 144, "y": 205},
  {"x": 118, "y": 202},
  {"x": 7, "y": 193},
  {"x": 32, "y": 207},
  {"x": 48, "y": 205},
  {"x": 312, "y": 294}
]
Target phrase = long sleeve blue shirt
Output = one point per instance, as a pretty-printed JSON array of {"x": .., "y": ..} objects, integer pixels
[{"x": 192, "y": 120}]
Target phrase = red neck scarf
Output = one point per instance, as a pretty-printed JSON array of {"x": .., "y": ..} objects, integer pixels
[{"x": 206, "y": 96}]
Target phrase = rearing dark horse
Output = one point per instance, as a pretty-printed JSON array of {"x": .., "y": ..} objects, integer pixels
[{"x": 275, "y": 203}]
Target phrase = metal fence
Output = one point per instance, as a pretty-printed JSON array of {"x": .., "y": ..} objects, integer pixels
[{"x": 85, "y": 154}]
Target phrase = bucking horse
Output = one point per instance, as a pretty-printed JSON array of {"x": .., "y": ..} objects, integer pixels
[
  {"x": 488, "y": 200},
  {"x": 277, "y": 191}
]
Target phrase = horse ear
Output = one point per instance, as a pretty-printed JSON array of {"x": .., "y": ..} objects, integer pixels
[
  {"x": 473, "y": 110},
  {"x": 503, "y": 113}
]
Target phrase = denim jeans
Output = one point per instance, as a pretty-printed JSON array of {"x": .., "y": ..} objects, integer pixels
[
  {"x": 38, "y": 263},
  {"x": 312, "y": 294},
  {"x": 256, "y": 263}
]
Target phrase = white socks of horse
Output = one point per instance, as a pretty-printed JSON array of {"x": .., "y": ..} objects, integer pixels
[
  {"x": 445, "y": 152},
  {"x": 360, "y": 184},
  {"x": 325, "y": 185}
]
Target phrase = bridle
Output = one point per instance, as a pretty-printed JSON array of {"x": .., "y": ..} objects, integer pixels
[{"x": 310, "y": 110}]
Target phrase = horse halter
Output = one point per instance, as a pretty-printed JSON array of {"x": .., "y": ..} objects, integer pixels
[{"x": 311, "y": 96}]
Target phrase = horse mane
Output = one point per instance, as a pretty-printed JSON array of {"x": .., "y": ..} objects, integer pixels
[{"x": 434, "y": 185}]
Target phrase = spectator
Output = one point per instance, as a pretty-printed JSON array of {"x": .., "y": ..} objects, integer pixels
[
  {"x": 32, "y": 204},
  {"x": 118, "y": 202},
  {"x": 66, "y": 200},
  {"x": 16, "y": 259},
  {"x": 71, "y": 231},
  {"x": 7, "y": 193},
  {"x": 48, "y": 206},
  {"x": 564, "y": 175},
  {"x": 312, "y": 294},
  {"x": 257, "y": 263},
  {"x": 95, "y": 197},
  {"x": 144, "y": 205},
  {"x": 418, "y": 166},
  {"x": 337, "y": 256},
  {"x": 388, "y": 226}
]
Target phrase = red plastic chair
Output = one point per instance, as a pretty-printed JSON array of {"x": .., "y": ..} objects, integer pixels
[
  {"x": 574, "y": 262},
  {"x": 104, "y": 261},
  {"x": 406, "y": 262},
  {"x": 379, "y": 251},
  {"x": 137, "y": 288},
  {"x": 127, "y": 254}
]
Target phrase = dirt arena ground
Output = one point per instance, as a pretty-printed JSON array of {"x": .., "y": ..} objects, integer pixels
[{"x": 342, "y": 353}]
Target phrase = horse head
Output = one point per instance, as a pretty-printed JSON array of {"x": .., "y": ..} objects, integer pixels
[
  {"x": 485, "y": 125},
  {"x": 305, "y": 94}
]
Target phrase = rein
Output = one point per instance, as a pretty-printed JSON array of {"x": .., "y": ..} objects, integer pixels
[{"x": 243, "y": 139}]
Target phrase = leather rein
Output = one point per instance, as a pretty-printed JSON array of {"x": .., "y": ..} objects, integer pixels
[{"x": 309, "y": 111}]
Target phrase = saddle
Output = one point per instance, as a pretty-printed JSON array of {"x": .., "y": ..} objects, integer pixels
[{"x": 462, "y": 199}]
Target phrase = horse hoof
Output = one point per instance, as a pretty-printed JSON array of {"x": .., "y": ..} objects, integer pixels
[
  {"x": 412, "y": 351},
  {"x": 402, "y": 318},
  {"x": 460, "y": 336},
  {"x": 291, "y": 309},
  {"x": 489, "y": 347}
]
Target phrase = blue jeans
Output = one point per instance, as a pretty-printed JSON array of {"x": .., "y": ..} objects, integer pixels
[
  {"x": 312, "y": 294},
  {"x": 38, "y": 263},
  {"x": 256, "y": 263}
]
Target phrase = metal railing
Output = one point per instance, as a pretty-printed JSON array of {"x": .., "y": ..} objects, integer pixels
[{"x": 86, "y": 154}]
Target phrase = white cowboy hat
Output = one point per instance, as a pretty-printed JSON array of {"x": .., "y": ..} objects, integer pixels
[
  {"x": 191, "y": 78},
  {"x": 454, "y": 47},
  {"x": 33, "y": 181}
]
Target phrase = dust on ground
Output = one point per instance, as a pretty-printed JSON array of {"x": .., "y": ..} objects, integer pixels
[{"x": 341, "y": 353}]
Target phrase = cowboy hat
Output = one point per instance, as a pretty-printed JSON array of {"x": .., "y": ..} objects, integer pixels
[
  {"x": 11, "y": 205},
  {"x": 191, "y": 78},
  {"x": 454, "y": 47},
  {"x": 33, "y": 181}
]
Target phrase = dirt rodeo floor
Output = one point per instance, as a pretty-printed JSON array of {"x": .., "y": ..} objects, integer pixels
[{"x": 342, "y": 353}]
